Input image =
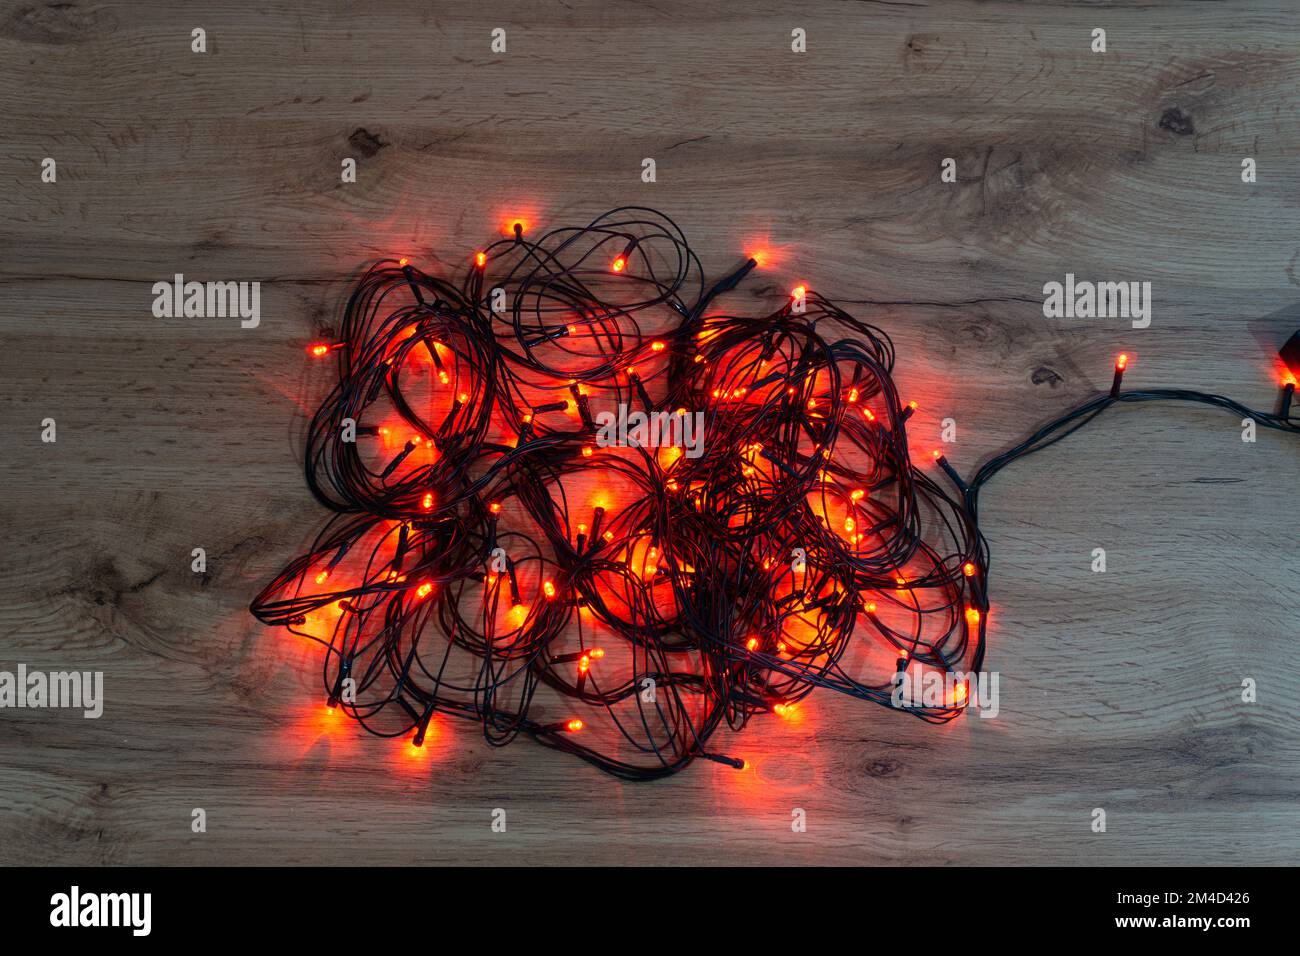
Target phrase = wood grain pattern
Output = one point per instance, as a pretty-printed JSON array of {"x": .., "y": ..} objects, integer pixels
[{"x": 1119, "y": 690}]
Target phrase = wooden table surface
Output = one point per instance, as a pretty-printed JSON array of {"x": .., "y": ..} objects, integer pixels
[{"x": 1119, "y": 690}]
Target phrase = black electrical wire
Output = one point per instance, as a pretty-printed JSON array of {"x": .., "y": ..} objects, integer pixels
[{"x": 463, "y": 571}]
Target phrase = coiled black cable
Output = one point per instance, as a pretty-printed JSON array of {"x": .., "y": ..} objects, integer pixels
[{"x": 467, "y": 566}]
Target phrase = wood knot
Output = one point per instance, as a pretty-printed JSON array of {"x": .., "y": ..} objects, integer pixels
[
  {"x": 1177, "y": 122},
  {"x": 365, "y": 142},
  {"x": 1044, "y": 375}
]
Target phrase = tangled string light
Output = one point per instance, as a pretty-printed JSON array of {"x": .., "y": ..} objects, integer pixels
[{"x": 487, "y": 544}]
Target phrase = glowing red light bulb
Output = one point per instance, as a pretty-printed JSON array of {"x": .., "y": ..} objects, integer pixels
[
  {"x": 968, "y": 569},
  {"x": 752, "y": 644},
  {"x": 480, "y": 259},
  {"x": 573, "y": 726},
  {"x": 1121, "y": 362},
  {"x": 548, "y": 589},
  {"x": 427, "y": 501},
  {"x": 798, "y": 292},
  {"x": 403, "y": 262},
  {"x": 424, "y": 590},
  {"x": 321, "y": 578},
  {"x": 318, "y": 350},
  {"x": 973, "y": 616},
  {"x": 618, "y": 264}
]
